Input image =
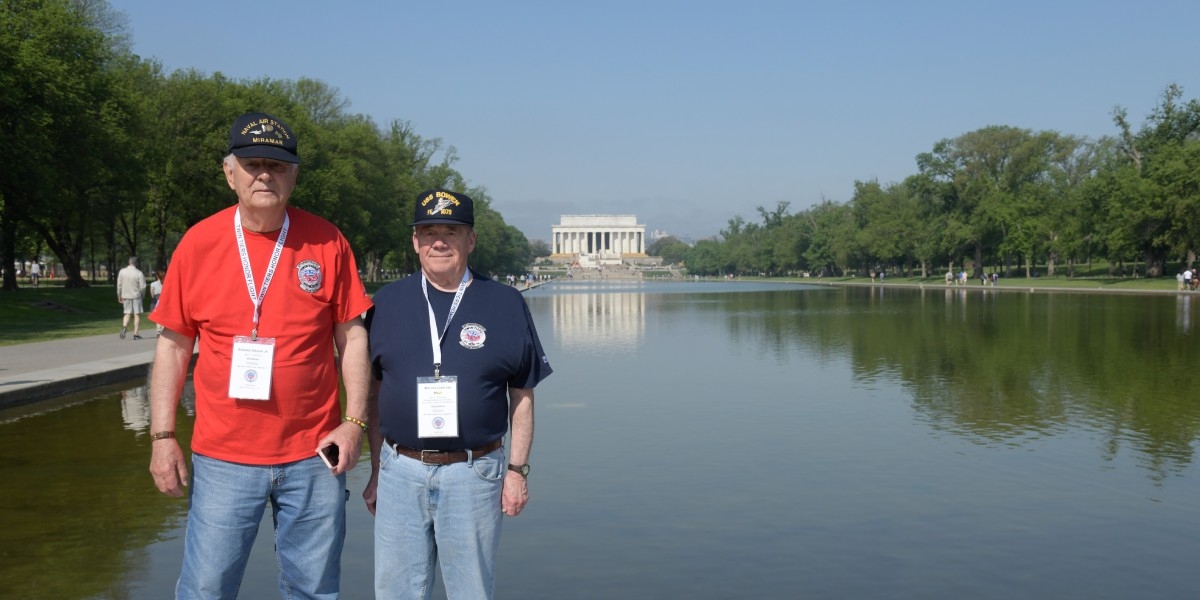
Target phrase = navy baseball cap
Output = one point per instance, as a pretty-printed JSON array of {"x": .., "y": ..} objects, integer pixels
[
  {"x": 445, "y": 207},
  {"x": 259, "y": 135}
]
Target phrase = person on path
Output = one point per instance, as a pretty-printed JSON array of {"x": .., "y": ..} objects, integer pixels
[
  {"x": 131, "y": 284},
  {"x": 155, "y": 292}
]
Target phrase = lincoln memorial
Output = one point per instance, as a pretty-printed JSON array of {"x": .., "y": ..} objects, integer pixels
[{"x": 600, "y": 237}]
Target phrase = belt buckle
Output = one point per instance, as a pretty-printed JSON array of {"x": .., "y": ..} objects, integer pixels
[{"x": 433, "y": 452}]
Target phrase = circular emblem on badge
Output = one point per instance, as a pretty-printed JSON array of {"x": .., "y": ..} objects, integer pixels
[
  {"x": 438, "y": 422},
  {"x": 251, "y": 375},
  {"x": 472, "y": 336},
  {"x": 309, "y": 273}
]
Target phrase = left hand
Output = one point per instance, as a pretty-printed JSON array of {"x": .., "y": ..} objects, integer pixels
[
  {"x": 516, "y": 493},
  {"x": 348, "y": 438}
]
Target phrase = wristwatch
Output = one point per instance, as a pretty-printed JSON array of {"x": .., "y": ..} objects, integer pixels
[{"x": 522, "y": 469}]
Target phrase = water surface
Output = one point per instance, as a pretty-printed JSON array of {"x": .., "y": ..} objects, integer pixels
[{"x": 733, "y": 440}]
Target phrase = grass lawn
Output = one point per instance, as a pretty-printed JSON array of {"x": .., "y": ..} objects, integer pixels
[{"x": 51, "y": 312}]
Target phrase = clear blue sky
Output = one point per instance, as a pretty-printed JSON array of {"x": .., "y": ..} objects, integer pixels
[{"x": 689, "y": 113}]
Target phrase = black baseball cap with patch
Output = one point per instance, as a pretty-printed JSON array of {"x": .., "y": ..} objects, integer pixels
[
  {"x": 444, "y": 207},
  {"x": 259, "y": 135}
]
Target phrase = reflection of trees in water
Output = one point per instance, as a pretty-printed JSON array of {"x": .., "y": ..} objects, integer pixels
[
  {"x": 78, "y": 505},
  {"x": 1002, "y": 367}
]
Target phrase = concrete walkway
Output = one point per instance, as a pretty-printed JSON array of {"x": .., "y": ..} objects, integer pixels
[{"x": 44, "y": 370}]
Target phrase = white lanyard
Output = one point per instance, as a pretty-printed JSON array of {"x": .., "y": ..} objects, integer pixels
[
  {"x": 256, "y": 297},
  {"x": 434, "y": 338}
]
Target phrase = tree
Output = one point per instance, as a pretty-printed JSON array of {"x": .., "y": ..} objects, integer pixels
[
  {"x": 830, "y": 229},
  {"x": 1154, "y": 193},
  {"x": 930, "y": 230},
  {"x": 539, "y": 249},
  {"x": 670, "y": 248},
  {"x": 500, "y": 248},
  {"x": 707, "y": 258},
  {"x": 64, "y": 112}
]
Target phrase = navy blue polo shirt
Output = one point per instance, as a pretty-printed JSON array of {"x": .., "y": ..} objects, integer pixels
[{"x": 491, "y": 345}]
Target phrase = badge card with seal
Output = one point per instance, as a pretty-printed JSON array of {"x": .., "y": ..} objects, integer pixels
[
  {"x": 437, "y": 407},
  {"x": 250, "y": 369}
]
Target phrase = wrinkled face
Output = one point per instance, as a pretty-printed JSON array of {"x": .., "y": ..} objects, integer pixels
[
  {"x": 260, "y": 182},
  {"x": 443, "y": 250}
]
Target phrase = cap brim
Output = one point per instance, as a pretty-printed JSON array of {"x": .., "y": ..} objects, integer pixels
[
  {"x": 441, "y": 222},
  {"x": 265, "y": 151}
]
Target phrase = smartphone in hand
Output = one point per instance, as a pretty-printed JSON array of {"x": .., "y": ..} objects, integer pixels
[{"x": 329, "y": 454}]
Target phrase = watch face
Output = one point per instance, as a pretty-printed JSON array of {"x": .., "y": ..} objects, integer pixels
[{"x": 522, "y": 469}]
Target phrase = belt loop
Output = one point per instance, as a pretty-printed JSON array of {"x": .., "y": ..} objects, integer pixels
[{"x": 470, "y": 457}]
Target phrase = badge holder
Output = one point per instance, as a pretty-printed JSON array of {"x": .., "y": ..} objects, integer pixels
[
  {"x": 437, "y": 406},
  {"x": 250, "y": 368}
]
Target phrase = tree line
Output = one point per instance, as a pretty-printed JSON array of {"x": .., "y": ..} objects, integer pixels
[
  {"x": 107, "y": 156},
  {"x": 1003, "y": 196}
]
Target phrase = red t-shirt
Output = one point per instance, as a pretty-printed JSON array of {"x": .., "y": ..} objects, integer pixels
[{"x": 315, "y": 286}]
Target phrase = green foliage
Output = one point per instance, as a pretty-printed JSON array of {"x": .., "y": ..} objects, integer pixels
[
  {"x": 670, "y": 248},
  {"x": 106, "y": 156},
  {"x": 66, "y": 146},
  {"x": 539, "y": 249},
  {"x": 51, "y": 311},
  {"x": 999, "y": 196}
]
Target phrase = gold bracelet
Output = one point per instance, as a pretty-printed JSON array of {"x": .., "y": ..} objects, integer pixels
[
  {"x": 350, "y": 419},
  {"x": 162, "y": 435}
]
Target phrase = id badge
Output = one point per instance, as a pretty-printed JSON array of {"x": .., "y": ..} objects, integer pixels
[
  {"x": 250, "y": 368},
  {"x": 437, "y": 407}
]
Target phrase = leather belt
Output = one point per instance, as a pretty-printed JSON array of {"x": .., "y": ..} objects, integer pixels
[{"x": 442, "y": 457}]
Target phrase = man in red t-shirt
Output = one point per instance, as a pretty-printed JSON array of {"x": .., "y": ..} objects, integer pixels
[{"x": 269, "y": 291}]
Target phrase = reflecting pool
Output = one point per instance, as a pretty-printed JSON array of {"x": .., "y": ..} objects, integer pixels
[{"x": 736, "y": 440}]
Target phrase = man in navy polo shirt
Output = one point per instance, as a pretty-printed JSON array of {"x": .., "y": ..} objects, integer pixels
[{"x": 455, "y": 358}]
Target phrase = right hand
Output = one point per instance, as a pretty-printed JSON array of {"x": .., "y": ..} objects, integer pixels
[
  {"x": 168, "y": 467},
  {"x": 369, "y": 492}
]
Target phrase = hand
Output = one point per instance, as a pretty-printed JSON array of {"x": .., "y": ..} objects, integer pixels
[
  {"x": 516, "y": 493},
  {"x": 168, "y": 467},
  {"x": 369, "y": 492},
  {"x": 348, "y": 438}
]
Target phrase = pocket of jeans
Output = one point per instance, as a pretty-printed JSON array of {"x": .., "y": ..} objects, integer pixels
[
  {"x": 386, "y": 456},
  {"x": 489, "y": 468}
]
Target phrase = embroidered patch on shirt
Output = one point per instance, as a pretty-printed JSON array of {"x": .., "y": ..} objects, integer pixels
[
  {"x": 310, "y": 275},
  {"x": 472, "y": 336}
]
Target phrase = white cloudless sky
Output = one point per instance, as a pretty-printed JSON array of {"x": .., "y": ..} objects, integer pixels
[{"x": 689, "y": 113}]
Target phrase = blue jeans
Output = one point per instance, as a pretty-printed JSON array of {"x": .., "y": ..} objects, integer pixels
[
  {"x": 227, "y": 502},
  {"x": 427, "y": 514}
]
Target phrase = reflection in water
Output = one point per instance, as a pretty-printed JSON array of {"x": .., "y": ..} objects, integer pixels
[
  {"x": 135, "y": 406},
  {"x": 598, "y": 323},
  {"x": 745, "y": 440},
  {"x": 78, "y": 507},
  {"x": 1002, "y": 367},
  {"x": 135, "y": 409},
  {"x": 1183, "y": 312}
]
